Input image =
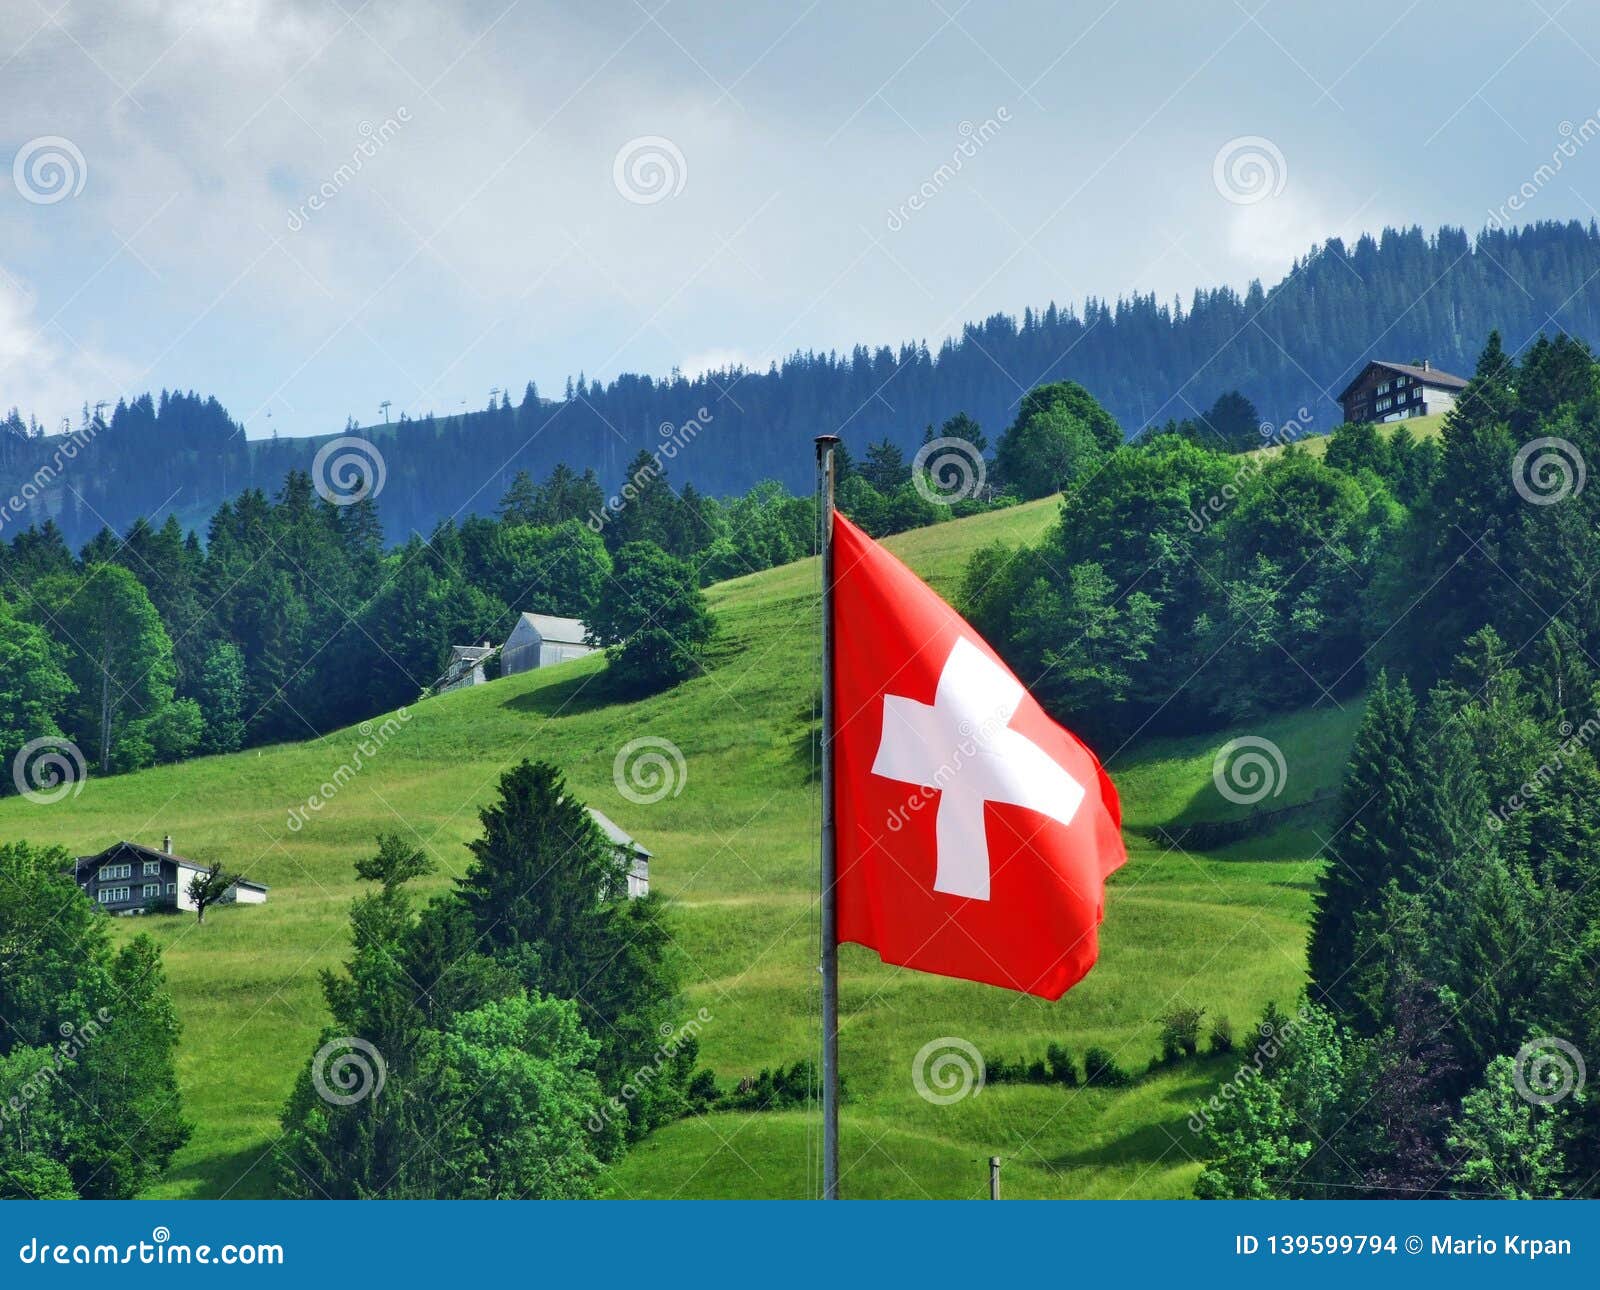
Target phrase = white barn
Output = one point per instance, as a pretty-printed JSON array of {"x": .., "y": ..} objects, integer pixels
[
  {"x": 639, "y": 858},
  {"x": 539, "y": 640}
]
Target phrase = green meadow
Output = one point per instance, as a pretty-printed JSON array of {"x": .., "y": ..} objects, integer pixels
[{"x": 735, "y": 854}]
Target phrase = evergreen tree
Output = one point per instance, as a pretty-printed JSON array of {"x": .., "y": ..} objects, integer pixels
[
  {"x": 520, "y": 505},
  {"x": 885, "y": 466},
  {"x": 1376, "y": 801},
  {"x": 548, "y": 895},
  {"x": 221, "y": 691}
]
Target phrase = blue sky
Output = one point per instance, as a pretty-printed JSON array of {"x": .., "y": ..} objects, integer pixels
[{"x": 515, "y": 190}]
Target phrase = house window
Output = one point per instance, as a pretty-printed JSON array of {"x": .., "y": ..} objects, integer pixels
[
  {"x": 172, "y": 889},
  {"x": 113, "y": 895},
  {"x": 152, "y": 889},
  {"x": 115, "y": 871},
  {"x": 1384, "y": 388},
  {"x": 151, "y": 867},
  {"x": 1384, "y": 404}
]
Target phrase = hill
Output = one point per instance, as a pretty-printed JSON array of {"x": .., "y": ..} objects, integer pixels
[
  {"x": 1289, "y": 346},
  {"x": 735, "y": 854},
  {"x": 1317, "y": 444}
]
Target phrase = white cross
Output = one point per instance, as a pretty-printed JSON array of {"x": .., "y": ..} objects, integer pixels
[{"x": 963, "y": 746}]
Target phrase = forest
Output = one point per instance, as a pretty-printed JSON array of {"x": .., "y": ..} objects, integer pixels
[
  {"x": 1193, "y": 582},
  {"x": 1288, "y": 346},
  {"x": 1453, "y": 944}
]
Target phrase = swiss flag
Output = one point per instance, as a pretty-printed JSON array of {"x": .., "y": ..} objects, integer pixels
[{"x": 974, "y": 835}]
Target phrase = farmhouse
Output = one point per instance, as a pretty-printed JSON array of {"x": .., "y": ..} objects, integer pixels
[
  {"x": 127, "y": 878},
  {"x": 1395, "y": 391},
  {"x": 466, "y": 667},
  {"x": 539, "y": 640},
  {"x": 639, "y": 869}
]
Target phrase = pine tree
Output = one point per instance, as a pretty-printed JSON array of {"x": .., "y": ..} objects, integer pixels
[
  {"x": 520, "y": 505},
  {"x": 1375, "y": 802}
]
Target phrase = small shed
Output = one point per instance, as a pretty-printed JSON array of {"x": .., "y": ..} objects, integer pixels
[
  {"x": 464, "y": 668},
  {"x": 538, "y": 640},
  {"x": 639, "y": 868}
]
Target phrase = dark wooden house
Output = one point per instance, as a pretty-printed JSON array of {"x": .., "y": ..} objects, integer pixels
[
  {"x": 127, "y": 878},
  {"x": 1396, "y": 391}
]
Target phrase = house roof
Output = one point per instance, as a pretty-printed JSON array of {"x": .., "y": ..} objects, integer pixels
[
  {"x": 1423, "y": 375},
  {"x": 563, "y": 631},
  {"x": 609, "y": 827},
  {"x": 153, "y": 853},
  {"x": 142, "y": 851},
  {"x": 470, "y": 653}
]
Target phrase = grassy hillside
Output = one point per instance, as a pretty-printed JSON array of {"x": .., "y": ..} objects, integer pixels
[
  {"x": 1317, "y": 444},
  {"x": 735, "y": 853}
]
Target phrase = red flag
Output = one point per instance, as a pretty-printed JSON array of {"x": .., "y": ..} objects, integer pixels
[{"x": 974, "y": 834}]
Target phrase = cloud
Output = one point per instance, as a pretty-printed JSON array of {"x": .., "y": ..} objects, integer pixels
[
  {"x": 721, "y": 360},
  {"x": 41, "y": 369}
]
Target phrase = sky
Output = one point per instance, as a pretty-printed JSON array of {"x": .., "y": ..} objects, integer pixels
[{"x": 312, "y": 207}]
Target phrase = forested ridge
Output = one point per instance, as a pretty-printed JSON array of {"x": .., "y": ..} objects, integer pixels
[{"x": 1401, "y": 295}]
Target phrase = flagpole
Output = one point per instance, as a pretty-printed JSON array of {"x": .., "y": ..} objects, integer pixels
[{"x": 830, "y": 914}]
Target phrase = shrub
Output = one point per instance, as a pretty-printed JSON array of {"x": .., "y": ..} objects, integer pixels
[
  {"x": 1221, "y": 1037},
  {"x": 1180, "y": 1033},
  {"x": 703, "y": 1091},
  {"x": 1100, "y": 1070},
  {"x": 1063, "y": 1070},
  {"x": 773, "y": 1090}
]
